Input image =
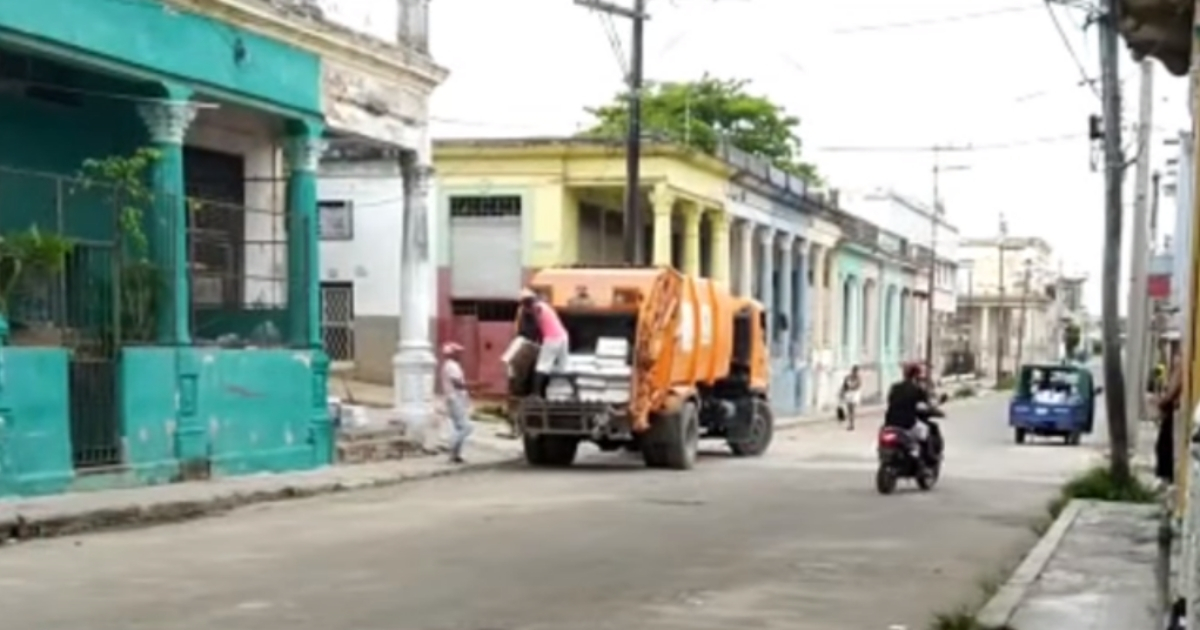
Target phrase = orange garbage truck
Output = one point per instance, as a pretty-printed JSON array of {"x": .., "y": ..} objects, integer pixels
[{"x": 658, "y": 360}]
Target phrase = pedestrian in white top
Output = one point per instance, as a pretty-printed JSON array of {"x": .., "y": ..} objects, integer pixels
[
  {"x": 851, "y": 396},
  {"x": 458, "y": 399}
]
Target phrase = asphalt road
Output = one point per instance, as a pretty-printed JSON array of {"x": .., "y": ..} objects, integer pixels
[{"x": 797, "y": 540}]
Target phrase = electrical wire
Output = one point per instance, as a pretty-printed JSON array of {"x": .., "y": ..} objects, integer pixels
[
  {"x": 946, "y": 19},
  {"x": 966, "y": 148},
  {"x": 1062, "y": 35}
]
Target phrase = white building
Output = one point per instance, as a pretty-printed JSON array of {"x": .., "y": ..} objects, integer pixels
[
  {"x": 375, "y": 186},
  {"x": 1008, "y": 303}
]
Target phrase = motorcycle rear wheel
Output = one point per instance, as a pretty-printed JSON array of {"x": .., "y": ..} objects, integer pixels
[
  {"x": 929, "y": 479},
  {"x": 885, "y": 480}
]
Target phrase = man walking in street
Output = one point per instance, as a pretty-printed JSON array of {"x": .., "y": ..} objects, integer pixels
[{"x": 458, "y": 399}]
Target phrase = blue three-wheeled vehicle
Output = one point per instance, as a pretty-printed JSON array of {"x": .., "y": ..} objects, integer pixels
[{"x": 1053, "y": 401}]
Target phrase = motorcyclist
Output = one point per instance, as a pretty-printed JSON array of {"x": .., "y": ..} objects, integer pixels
[{"x": 910, "y": 408}]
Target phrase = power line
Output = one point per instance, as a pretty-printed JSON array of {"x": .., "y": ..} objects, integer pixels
[
  {"x": 945, "y": 19},
  {"x": 1062, "y": 35},
  {"x": 964, "y": 148}
]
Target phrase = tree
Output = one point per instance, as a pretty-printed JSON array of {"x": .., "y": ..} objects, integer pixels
[{"x": 700, "y": 113}]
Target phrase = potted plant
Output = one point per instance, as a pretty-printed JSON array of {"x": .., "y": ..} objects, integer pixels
[{"x": 24, "y": 255}]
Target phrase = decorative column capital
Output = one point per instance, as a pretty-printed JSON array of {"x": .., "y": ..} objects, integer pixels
[
  {"x": 167, "y": 121},
  {"x": 662, "y": 200},
  {"x": 767, "y": 236},
  {"x": 304, "y": 152}
]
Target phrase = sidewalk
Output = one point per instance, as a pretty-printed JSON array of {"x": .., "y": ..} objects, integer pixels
[{"x": 1095, "y": 569}]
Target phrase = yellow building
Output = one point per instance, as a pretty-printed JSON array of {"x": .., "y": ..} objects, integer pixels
[{"x": 563, "y": 200}]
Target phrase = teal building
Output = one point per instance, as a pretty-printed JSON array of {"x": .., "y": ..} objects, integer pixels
[{"x": 158, "y": 197}]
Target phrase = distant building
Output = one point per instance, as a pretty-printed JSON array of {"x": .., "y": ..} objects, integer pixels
[{"x": 1008, "y": 304}]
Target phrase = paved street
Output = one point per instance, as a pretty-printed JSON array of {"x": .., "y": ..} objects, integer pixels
[{"x": 797, "y": 540}]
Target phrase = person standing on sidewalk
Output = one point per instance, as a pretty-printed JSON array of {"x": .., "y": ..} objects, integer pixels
[
  {"x": 1164, "y": 444},
  {"x": 458, "y": 399},
  {"x": 851, "y": 395}
]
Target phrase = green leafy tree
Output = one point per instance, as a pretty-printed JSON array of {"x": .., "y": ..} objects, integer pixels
[{"x": 700, "y": 113}]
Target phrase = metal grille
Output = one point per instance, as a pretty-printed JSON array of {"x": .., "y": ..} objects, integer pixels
[{"x": 337, "y": 320}]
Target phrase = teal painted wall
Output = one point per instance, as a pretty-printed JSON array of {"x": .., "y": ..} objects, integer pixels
[
  {"x": 40, "y": 139},
  {"x": 170, "y": 45},
  {"x": 231, "y": 412},
  {"x": 35, "y": 434},
  {"x": 239, "y": 411},
  {"x": 890, "y": 355}
]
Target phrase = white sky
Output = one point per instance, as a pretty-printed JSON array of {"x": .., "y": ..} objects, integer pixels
[{"x": 858, "y": 73}]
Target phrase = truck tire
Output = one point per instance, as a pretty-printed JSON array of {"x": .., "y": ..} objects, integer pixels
[
  {"x": 673, "y": 440},
  {"x": 762, "y": 430},
  {"x": 556, "y": 451}
]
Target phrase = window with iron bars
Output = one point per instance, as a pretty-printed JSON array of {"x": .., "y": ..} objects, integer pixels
[{"x": 485, "y": 206}]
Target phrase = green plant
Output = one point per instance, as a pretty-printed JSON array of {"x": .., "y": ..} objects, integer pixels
[
  {"x": 139, "y": 281},
  {"x": 1006, "y": 383},
  {"x": 965, "y": 391},
  {"x": 30, "y": 252},
  {"x": 1099, "y": 484}
]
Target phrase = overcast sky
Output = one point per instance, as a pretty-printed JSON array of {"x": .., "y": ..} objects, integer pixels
[{"x": 864, "y": 76}]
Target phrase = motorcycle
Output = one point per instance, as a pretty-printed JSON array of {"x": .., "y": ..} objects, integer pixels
[{"x": 902, "y": 457}]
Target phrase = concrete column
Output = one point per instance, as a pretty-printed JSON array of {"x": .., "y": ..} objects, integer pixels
[
  {"x": 746, "y": 277},
  {"x": 664, "y": 206},
  {"x": 787, "y": 303},
  {"x": 766, "y": 239},
  {"x": 815, "y": 301},
  {"x": 719, "y": 245},
  {"x": 691, "y": 239},
  {"x": 414, "y": 364},
  {"x": 303, "y": 149},
  {"x": 167, "y": 122},
  {"x": 804, "y": 312}
]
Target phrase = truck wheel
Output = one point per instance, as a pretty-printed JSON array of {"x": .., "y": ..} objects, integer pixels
[
  {"x": 673, "y": 440},
  {"x": 1019, "y": 436},
  {"x": 762, "y": 430},
  {"x": 550, "y": 450}
]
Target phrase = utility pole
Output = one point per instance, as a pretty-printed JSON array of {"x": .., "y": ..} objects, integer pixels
[
  {"x": 1114, "y": 395},
  {"x": 1138, "y": 327},
  {"x": 934, "y": 216},
  {"x": 1001, "y": 312},
  {"x": 634, "y": 221},
  {"x": 1023, "y": 313}
]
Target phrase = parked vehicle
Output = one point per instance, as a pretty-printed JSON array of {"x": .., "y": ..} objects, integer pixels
[
  {"x": 902, "y": 457},
  {"x": 1053, "y": 400},
  {"x": 658, "y": 361}
]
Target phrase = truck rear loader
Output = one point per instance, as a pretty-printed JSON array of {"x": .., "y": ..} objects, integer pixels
[{"x": 658, "y": 360}]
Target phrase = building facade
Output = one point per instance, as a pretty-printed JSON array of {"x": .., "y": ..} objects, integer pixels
[
  {"x": 934, "y": 244},
  {"x": 1009, "y": 308},
  {"x": 180, "y": 338},
  {"x": 508, "y": 207}
]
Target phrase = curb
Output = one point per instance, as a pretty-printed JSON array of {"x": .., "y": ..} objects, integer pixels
[
  {"x": 60, "y": 522},
  {"x": 999, "y": 610}
]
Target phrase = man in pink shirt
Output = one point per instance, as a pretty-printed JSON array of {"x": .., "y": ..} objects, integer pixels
[{"x": 552, "y": 356}]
